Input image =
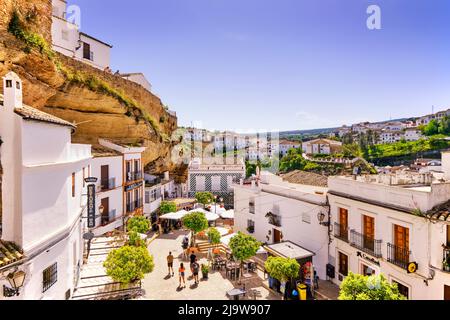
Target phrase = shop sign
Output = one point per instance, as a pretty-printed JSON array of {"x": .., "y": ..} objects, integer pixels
[
  {"x": 91, "y": 205},
  {"x": 134, "y": 186},
  {"x": 368, "y": 258},
  {"x": 91, "y": 180}
]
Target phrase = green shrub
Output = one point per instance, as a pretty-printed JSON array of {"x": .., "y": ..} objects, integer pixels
[{"x": 138, "y": 224}]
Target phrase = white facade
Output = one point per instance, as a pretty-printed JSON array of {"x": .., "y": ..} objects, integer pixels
[
  {"x": 138, "y": 78},
  {"x": 390, "y": 136},
  {"x": 389, "y": 208},
  {"x": 109, "y": 192},
  {"x": 68, "y": 40},
  {"x": 413, "y": 134},
  {"x": 285, "y": 146},
  {"x": 297, "y": 206},
  {"x": 42, "y": 198}
]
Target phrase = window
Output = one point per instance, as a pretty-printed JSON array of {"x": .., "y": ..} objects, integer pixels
[
  {"x": 251, "y": 205},
  {"x": 200, "y": 183},
  {"x": 306, "y": 218},
  {"x": 448, "y": 235},
  {"x": 369, "y": 232},
  {"x": 147, "y": 197},
  {"x": 250, "y": 226},
  {"x": 215, "y": 183},
  {"x": 18, "y": 85},
  {"x": 73, "y": 185},
  {"x": 49, "y": 277},
  {"x": 9, "y": 83},
  {"x": 404, "y": 290},
  {"x": 86, "y": 51},
  {"x": 343, "y": 264},
  {"x": 65, "y": 35}
]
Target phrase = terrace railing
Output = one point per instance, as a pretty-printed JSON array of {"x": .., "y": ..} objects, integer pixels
[
  {"x": 366, "y": 243},
  {"x": 341, "y": 232},
  {"x": 398, "y": 256}
]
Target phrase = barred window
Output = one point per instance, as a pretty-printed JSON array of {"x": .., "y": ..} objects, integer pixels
[{"x": 50, "y": 276}]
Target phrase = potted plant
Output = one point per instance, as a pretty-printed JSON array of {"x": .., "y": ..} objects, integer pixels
[
  {"x": 205, "y": 271},
  {"x": 446, "y": 263},
  {"x": 251, "y": 229}
]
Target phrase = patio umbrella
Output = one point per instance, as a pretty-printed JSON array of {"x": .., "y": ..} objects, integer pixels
[
  {"x": 208, "y": 215},
  {"x": 174, "y": 215},
  {"x": 229, "y": 214}
]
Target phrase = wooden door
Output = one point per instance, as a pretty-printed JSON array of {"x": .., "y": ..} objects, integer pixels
[
  {"x": 343, "y": 222},
  {"x": 447, "y": 293},
  {"x": 343, "y": 264},
  {"x": 401, "y": 241},
  {"x": 276, "y": 236},
  {"x": 369, "y": 232},
  {"x": 104, "y": 174},
  {"x": 105, "y": 214}
]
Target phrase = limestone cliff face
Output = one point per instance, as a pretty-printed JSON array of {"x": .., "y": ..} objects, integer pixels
[{"x": 98, "y": 113}]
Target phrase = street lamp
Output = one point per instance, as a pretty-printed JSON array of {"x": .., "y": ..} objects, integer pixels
[
  {"x": 321, "y": 218},
  {"x": 16, "y": 280}
]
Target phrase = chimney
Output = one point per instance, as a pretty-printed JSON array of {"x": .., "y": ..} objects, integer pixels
[
  {"x": 166, "y": 175},
  {"x": 12, "y": 91}
]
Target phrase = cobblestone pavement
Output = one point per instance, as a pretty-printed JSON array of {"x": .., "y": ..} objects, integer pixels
[{"x": 158, "y": 285}]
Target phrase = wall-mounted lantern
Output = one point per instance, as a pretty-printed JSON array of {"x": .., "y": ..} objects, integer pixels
[{"x": 16, "y": 280}]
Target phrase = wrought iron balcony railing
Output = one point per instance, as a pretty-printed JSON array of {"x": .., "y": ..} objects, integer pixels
[
  {"x": 340, "y": 232},
  {"x": 398, "y": 255},
  {"x": 366, "y": 243},
  {"x": 108, "y": 184},
  {"x": 134, "y": 176}
]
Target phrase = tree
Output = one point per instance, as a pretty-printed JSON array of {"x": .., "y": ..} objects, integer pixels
[
  {"x": 196, "y": 222},
  {"x": 128, "y": 264},
  {"x": 138, "y": 224},
  {"x": 282, "y": 269},
  {"x": 167, "y": 207},
  {"x": 431, "y": 128},
  {"x": 244, "y": 247},
  {"x": 359, "y": 287},
  {"x": 204, "y": 198},
  {"x": 444, "y": 126},
  {"x": 134, "y": 239}
]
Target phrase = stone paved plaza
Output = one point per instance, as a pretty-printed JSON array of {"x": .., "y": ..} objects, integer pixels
[{"x": 158, "y": 286}]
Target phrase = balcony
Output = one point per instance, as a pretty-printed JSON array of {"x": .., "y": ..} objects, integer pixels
[
  {"x": 446, "y": 260},
  {"x": 109, "y": 218},
  {"x": 107, "y": 184},
  {"x": 251, "y": 208},
  {"x": 138, "y": 204},
  {"x": 131, "y": 207},
  {"x": 398, "y": 256},
  {"x": 134, "y": 176},
  {"x": 274, "y": 219},
  {"x": 340, "y": 232},
  {"x": 365, "y": 243}
]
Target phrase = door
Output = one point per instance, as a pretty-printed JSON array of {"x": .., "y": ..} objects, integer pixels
[
  {"x": 401, "y": 242},
  {"x": 276, "y": 236},
  {"x": 104, "y": 174},
  {"x": 343, "y": 264},
  {"x": 105, "y": 214},
  {"x": 128, "y": 171},
  {"x": 369, "y": 232},
  {"x": 86, "y": 51},
  {"x": 447, "y": 293},
  {"x": 343, "y": 223}
]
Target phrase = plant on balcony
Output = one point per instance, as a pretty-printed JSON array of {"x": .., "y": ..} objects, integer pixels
[
  {"x": 196, "y": 222},
  {"x": 359, "y": 287},
  {"x": 138, "y": 224},
  {"x": 251, "y": 229},
  {"x": 128, "y": 264},
  {"x": 167, "y": 207}
]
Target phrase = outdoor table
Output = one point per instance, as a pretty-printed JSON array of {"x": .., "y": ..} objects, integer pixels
[{"x": 235, "y": 293}]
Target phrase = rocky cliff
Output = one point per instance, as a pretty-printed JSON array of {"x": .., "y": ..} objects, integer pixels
[{"x": 103, "y": 105}]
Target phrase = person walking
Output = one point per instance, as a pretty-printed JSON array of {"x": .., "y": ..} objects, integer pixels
[
  {"x": 170, "y": 263},
  {"x": 192, "y": 259},
  {"x": 181, "y": 273},
  {"x": 195, "y": 270}
]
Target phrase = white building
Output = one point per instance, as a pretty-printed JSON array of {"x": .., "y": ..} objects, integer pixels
[
  {"x": 139, "y": 78},
  {"x": 286, "y": 145},
  {"x": 107, "y": 167},
  {"x": 390, "y": 136},
  {"x": 133, "y": 176},
  {"x": 294, "y": 210},
  {"x": 321, "y": 146},
  {"x": 68, "y": 40},
  {"x": 215, "y": 178},
  {"x": 43, "y": 207},
  {"x": 413, "y": 134},
  {"x": 389, "y": 224}
]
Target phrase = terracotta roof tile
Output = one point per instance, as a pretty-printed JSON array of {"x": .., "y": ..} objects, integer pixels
[
  {"x": 9, "y": 253},
  {"x": 29, "y": 113},
  {"x": 308, "y": 178},
  {"x": 99, "y": 151}
]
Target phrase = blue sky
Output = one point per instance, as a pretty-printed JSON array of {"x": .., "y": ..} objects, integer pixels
[{"x": 281, "y": 64}]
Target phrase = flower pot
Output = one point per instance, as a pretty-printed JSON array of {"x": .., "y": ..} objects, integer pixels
[{"x": 205, "y": 275}]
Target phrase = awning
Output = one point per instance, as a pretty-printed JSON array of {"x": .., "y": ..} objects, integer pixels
[
  {"x": 217, "y": 209},
  {"x": 226, "y": 241},
  {"x": 174, "y": 215},
  {"x": 289, "y": 249},
  {"x": 229, "y": 214},
  {"x": 208, "y": 215}
]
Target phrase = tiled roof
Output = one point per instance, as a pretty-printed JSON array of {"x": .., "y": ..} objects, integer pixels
[
  {"x": 99, "y": 151},
  {"x": 440, "y": 212},
  {"x": 31, "y": 113},
  {"x": 308, "y": 178},
  {"x": 9, "y": 253}
]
